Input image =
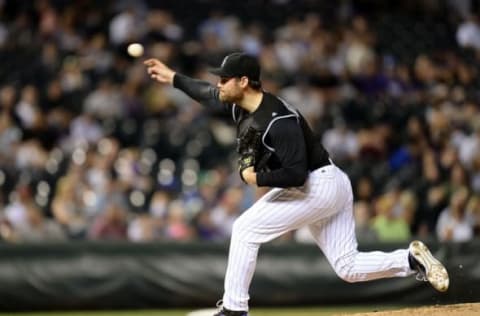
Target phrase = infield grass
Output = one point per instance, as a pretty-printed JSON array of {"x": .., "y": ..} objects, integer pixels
[{"x": 313, "y": 311}]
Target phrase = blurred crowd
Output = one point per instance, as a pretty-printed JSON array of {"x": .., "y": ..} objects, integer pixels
[{"x": 91, "y": 148}]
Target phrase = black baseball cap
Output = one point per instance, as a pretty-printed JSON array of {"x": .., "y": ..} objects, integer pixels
[{"x": 238, "y": 65}]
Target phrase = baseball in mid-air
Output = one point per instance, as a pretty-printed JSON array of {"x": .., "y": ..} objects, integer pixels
[{"x": 135, "y": 49}]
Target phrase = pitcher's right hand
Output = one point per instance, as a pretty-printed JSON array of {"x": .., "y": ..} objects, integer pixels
[{"x": 159, "y": 71}]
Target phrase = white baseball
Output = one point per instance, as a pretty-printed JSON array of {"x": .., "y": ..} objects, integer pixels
[{"x": 135, "y": 50}]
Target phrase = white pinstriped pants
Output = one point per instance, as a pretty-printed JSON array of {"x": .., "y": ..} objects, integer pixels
[{"x": 325, "y": 204}]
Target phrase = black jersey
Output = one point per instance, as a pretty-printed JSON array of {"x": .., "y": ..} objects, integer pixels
[{"x": 286, "y": 135}]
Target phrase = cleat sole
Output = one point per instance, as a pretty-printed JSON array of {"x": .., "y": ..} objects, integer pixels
[{"x": 435, "y": 272}]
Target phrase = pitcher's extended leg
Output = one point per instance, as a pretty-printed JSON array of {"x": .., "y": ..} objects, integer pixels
[{"x": 336, "y": 237}]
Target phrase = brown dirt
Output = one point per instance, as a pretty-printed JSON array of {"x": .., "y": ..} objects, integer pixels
[{"x": 468, "y": 309}]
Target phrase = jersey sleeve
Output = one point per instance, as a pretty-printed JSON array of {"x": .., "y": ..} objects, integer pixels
[{"x": 286, "y": 137}]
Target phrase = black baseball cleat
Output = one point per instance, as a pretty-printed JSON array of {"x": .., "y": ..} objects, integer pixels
[
  {"x": 428, "y": 268},
  {"x": 225, "y": 312}
]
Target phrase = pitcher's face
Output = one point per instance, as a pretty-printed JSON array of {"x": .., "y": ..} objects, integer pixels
[{"x": 230, "y": 90}]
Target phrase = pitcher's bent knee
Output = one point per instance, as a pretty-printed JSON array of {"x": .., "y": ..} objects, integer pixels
[
  {"x": 344, "y": 268},
  {"x": 347, "y": 276}
]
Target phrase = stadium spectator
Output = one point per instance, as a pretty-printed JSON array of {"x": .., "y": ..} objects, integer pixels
[
  {"x": 363, "y": 226},
  {"x": 228, "y": 209},
  {"x": 468, "y": 33},
  {"x": 111, "y": 225},
  {"x": 453, "y": 223},
  {"x": 37, "y": 228},
  {"x": 388, "y": 225}
]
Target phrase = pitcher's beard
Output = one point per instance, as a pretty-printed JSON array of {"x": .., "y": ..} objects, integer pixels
[{"x": 229, "y": 98}]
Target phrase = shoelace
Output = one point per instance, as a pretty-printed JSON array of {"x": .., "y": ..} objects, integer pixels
[
  {"x": 219, "y": 305},
  {"x": 421, "y": 277}
]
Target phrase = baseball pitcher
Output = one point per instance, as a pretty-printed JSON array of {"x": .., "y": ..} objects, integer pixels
[{"x": 277, "y": 149}]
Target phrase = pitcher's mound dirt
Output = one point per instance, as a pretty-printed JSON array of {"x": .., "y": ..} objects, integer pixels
[{"x": 468, "y": 309}]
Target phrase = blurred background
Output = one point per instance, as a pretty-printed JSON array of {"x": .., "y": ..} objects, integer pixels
[{"x": 92, "y": 150}]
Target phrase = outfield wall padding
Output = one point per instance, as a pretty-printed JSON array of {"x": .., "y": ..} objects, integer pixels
[{"x": 125, "y": 275}]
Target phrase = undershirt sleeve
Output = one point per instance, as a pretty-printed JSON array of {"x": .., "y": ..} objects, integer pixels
[{"x": 199, "y": 90}]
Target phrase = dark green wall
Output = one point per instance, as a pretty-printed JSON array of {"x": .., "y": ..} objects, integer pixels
[{"x": 126, "y": 275}]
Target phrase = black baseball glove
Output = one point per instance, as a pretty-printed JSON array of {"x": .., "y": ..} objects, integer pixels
[{"x": 250, "y": 149}]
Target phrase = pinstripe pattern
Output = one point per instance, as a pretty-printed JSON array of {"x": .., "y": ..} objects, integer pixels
[{"x": 324, "y": 203}]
